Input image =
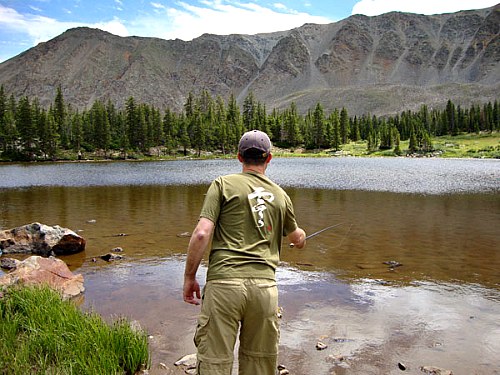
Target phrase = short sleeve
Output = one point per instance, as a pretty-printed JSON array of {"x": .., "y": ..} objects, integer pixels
[
  {"x": 290, "y": 224},
  {"x": 213, "y": 201}
]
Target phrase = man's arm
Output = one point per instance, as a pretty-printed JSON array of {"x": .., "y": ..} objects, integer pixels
[
  {"x": 197, "y": 246},
  {"x": 297, "y": 238}
]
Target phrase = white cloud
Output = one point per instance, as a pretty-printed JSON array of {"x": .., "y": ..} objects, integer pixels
[
  {"x": 115, "y": 27},
  {"x": 40, "y": 29},
  {"x": 158, "y": 6},
  {"x": 376, "y": 7},
  {"x": 220, "y": 17}
]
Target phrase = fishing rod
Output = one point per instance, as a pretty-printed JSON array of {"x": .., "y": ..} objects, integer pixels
[{"x": 318, "y": 232}]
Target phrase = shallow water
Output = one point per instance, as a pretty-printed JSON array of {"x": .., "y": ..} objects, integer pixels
[{"x": 438, "y": 218}]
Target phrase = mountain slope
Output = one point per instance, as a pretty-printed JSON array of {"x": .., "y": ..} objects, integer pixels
[{"x": 375, "y": 65}]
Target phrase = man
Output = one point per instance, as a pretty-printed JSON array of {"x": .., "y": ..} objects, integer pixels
[{"x": 245, "y": 216}]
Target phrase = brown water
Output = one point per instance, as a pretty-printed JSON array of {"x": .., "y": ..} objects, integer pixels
[{"x": 441, "y": 307}]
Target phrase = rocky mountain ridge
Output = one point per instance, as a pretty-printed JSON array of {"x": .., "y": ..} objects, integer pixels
[{"x": 378, "y": 65}]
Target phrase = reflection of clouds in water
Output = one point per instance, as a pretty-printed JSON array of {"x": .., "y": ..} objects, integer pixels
[
  {"x": 424, "y": 318},
  {"x": 459, "y": 327},
  {"x": 292, "y": 276}
]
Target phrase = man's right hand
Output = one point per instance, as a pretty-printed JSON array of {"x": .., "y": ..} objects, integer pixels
[{"x": 191, "y": 291}]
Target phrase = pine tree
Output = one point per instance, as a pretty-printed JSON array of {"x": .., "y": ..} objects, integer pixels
[
  {"x": 291, "y": 126},
  {"x": 234, "y": 122},
  {"x": 59, "y": 114},
  {"x": 170, "y": 130},
  {"x": 222, "y": 129},
  {"x": 318, "y": 127},
  {"x": 345, "y": 130},
  {"x": 77, "y": 131},
  {"x": 26, "y": 128},
  {"x": 413, "y": 145},
  {"x": 100, "y": 124},
  {"x": 355, "y": 132},
  {"x": 451, "y": 118},
  {"x": 249, "y": 113},
  {"x": 183, "y": 135},
  {"x": 336, "y": 139},
  {"x": 397, "y": 141}
]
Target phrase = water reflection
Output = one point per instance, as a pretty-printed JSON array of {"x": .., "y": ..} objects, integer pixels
[{"x": 437, "y": 237}]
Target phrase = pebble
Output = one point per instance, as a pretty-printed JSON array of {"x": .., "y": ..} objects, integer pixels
[
  {"x": 433, "y": 370},
  {"x": 111, "y": 257},
  {"x": 336, "y": 358},
  {"x": 321, "y": 346},
  {"x": 188, "y": 360},
  {"x": 393, "y": 263},
  {"x": 282, "y": 370}
]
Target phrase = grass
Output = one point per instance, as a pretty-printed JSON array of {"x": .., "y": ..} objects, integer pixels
[
  {"x": 484, "y": 146},
  {"x": 42, "y": 334}
]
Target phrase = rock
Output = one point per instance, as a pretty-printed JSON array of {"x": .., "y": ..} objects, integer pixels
[
  {"x": 336, "y": 358},
  {"x": 393, "y": 263},
  {"x": 110, "y": 257},
  {"x": 41, "y": 239},
  {"x": 432, "y": 370},
  {"x": 321, "y": 346},
  {"x": 9, "y": 263},
  {"x": 282, "y": 370},
  {"x": 188, "y": 360},
  {"x": 184, "y": 234},
  {"x": 279, "y": 313},
  {"x": 37, "y": 270},
  {"x": 401, "y": 366}
]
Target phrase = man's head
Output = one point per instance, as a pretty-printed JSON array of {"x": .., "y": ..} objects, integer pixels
[{"x": 254, "y": 147}]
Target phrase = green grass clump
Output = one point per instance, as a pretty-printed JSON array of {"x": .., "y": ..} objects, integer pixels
[{"x": 42, "y": 334}]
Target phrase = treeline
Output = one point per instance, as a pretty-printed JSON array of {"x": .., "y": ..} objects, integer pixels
[{"x": 30, "y": 132}]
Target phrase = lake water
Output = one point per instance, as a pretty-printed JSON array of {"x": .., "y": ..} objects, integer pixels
[{"x": 438, "y": 218}]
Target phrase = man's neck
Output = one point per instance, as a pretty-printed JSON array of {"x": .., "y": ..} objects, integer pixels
[{"x": 255, "y": 168}]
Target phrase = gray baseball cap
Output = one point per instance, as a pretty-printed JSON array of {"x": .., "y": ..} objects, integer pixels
[{"x": 255, "y": 139}]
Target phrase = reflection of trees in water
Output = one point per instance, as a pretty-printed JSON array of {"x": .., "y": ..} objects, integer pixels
[
  {"x": 450, "y": 237},
  {"x": 442, "y": 237}
]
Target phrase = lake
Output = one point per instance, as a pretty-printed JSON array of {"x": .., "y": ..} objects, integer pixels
[{"x": 437, "y": 218}]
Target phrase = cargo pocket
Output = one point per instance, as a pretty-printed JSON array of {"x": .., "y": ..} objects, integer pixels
[{"x": 200, "y": 336}]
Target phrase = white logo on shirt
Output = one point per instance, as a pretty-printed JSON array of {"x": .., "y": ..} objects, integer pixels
[{"x": 262, "y": 196}]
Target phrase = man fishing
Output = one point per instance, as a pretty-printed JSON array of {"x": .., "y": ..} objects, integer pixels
[{"x": 245, "y": 216}]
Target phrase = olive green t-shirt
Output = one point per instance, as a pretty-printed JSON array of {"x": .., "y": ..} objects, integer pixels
[{"x": 251, "y": 215}]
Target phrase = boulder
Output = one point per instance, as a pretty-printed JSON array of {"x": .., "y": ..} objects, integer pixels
[
  {"x": 37, "y": 270},
  {"x": 41, "y": 239}
]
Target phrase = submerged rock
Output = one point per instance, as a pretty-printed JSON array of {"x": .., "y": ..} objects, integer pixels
[
  {"x": 110, "y": 257},
  {"x": 41, "y": 239},
  {"x": 9, "y": 263},
  {"x": 53, "y": 272},
  {"x": 433, "y": 370}
]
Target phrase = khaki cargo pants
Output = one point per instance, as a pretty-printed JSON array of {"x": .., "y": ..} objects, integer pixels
[{"x": 227, "y": 304}]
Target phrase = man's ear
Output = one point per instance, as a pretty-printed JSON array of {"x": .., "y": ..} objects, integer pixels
[
  {"x": 240, "y": 158},
  {"x": 269, "y": 157}
]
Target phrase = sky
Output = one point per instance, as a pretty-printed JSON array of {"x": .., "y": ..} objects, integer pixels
[{"x": 25, "y": 23}]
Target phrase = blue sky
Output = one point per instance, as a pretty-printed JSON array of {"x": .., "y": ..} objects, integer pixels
[{"x": 24, "y": 24}]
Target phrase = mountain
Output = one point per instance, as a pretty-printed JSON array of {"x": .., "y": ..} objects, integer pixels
[{"x": 378, "y": 65}]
